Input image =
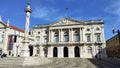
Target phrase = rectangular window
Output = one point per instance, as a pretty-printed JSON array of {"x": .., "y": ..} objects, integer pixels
[
  {"x": 38, "y": 39},
  {"x": 76, "y": 39},
  {"x": 88, "y": 38},
  {"x": 98, "y": 38},
  {"x": 56, "y": 39},
  {"x": 66, "y": 38},
  {"x": 15, "y": 38},
  {"x": 46, "y": 40}
]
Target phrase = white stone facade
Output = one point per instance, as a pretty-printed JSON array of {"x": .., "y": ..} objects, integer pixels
[
  {"x": 65, "y": 38},
  {"x": 10, "y": 39},
  {"x": 70, "y": 38}
]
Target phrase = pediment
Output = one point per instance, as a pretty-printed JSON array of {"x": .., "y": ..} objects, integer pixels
[{"x": 66, "y": 21}]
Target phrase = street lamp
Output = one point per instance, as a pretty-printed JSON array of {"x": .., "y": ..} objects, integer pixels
[{"x": 118, "y": 32}]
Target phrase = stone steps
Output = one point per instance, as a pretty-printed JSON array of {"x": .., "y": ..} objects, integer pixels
[
  {"x": 11, "y": 61},
  {"x": 27, "y": 61}
]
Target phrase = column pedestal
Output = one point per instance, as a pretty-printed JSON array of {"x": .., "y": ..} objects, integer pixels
[{"x": 25, "y": 51}]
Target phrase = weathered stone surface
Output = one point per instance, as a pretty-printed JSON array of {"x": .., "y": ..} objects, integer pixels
[{"x": 66, "y": 63}]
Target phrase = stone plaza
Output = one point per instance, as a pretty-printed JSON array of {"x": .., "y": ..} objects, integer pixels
[{"x": 70, "y": 63}]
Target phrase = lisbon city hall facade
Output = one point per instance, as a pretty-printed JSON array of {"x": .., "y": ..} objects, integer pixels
[{"x": 69, "y": 38}]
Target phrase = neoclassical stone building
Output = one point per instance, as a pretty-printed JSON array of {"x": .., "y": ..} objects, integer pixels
[
  {"x": 11, "y": 39},
  {"x": 69, "y": 38}
]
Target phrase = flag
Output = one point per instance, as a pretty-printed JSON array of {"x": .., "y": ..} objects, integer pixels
[
  {"x": 66, "y": 8},
  {"x": 10, "y": 42}
]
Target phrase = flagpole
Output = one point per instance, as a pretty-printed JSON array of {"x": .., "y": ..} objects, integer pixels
[{"x": 66, "y": 12}]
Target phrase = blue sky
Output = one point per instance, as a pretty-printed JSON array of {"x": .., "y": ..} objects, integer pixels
[{"x": 48, "y": 11}]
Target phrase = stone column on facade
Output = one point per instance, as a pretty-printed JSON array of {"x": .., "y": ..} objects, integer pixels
[
  {"x": 80, "y": 34},
  {"x": 81, "y": 51},
  {"x": 60, "y": 51},
  {"x": 19, "y": 50},
  {"x": 85, "y": 51},
  {"x": 92, "y": 35},
  {"x": 71, "y": 34},
  {"x": 42, "y": 51},
  {"x": 49, "y": 36},
  {"x": 93, "y": 50},
  {"x": 6, "y": 35},
  {"x": 83, "y": 35},
  {"x": 34, "y": 51},
  {"x": 93, "y": 41},
  {"x": 71, "y": 52},
  {"x": 14, "y": 50},
  {"x": 50, "y": 52},
  {"x": 59, "y": 34},
  {"x": 102, "y": 34}
]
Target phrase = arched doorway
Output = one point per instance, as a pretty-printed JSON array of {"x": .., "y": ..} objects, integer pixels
[
  {"x": 65, "y": 52},
  {"x": 55, "y": 50},
  {"x": 77, "y": 51},
  {"x": 31, "y": 50}
]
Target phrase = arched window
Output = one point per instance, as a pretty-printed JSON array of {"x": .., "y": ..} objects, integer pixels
[
  {"x": 76, "y": 36},
  {"x": 66, "y": 36},
  {"x": 55, "y": 52},
  {"x": 89, "y": 50},
  {"x": 56, "y": 37}
]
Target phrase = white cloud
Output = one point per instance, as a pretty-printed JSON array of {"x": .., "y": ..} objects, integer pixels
[
  {"x": 114, "y": 8},
  {"x": 45, "y": 13}
]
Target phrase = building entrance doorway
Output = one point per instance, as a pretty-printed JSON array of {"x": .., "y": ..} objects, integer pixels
[
  {"x": 31, "y": 50},
  {"x": 65, "y": 52},
  {"x": 55, "y": 51},
  {"x": 77, "y": 51}
]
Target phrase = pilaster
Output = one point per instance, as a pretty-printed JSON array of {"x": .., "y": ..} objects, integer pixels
[
  {"x": 49, "y": 36},
  {"x": 69, "y": 35}
]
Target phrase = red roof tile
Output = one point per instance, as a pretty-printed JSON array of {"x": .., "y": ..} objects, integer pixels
[{"x": 16, "y": 28}]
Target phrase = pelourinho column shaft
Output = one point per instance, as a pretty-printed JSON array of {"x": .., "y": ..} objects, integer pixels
[{"x": 25, "y": 49}]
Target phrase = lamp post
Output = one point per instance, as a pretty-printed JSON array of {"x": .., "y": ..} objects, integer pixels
[{"x": 118, "y": 32}]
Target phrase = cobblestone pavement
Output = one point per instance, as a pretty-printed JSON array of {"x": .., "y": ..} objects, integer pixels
[{"x": 70, "y": 63}]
